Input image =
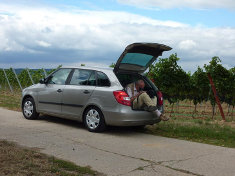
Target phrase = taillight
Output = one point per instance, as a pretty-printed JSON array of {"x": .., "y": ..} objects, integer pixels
[
  {"x": 159, "y": 98},
  {"x": 122, "y": 97}
]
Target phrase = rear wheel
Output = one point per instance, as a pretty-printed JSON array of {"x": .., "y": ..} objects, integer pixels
[
  {"x": 94, "y": 120},
  {"x": 29, "y": 109}
]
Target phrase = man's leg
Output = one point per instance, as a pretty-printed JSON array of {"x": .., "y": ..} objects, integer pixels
[
  {"x": 144, "y": 99},
  {"x": 145, "y": 102},
  {"x": 153, "y": 102}
]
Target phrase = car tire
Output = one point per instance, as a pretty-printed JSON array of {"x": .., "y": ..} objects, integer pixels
[
  {"x": 29, "y": 109},
  {"x": 94, "y": 119}
]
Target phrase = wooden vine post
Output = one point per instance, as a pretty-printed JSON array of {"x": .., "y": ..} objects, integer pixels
[{"x": 216, "y": 96}]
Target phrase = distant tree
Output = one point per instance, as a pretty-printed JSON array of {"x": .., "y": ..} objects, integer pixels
[
  {"x": 24, "y": 78},
  {"x": 170, "y": 78},
  {"x": 223, "y": 80},
  {"x": 112, "y": 65},
  {"x": 232, "y": 90},
  {"x": 11, "y": 77},
  {"x": 199, "y": 85},
  {"x": 2, "y": 79}
]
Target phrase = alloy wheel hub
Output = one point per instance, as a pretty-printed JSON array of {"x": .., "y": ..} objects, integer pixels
[
  {"x": 92, "y": 119},
  {"x": 28, "y": 108}
]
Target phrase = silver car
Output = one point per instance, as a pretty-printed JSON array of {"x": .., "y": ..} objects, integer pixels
[{"x": 96, "y": 96}]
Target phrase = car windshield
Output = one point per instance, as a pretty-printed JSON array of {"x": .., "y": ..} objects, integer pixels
[{"x": 137, "y": 59}]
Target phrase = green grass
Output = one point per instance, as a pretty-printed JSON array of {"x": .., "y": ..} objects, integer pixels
[
  {"x": 197, "y": 130},
  {"x": 17, "y": 160},
  {"x": 10, "y": 101},
  {"x": 69, "y": 166}
]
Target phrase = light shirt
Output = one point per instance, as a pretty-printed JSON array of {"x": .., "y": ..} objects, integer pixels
[{"x": 129, "y": 91}]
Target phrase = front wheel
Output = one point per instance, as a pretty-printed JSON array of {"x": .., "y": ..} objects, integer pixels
[
  {"x": 29, "y": 109},
  {"x": 94, "y": 120}
]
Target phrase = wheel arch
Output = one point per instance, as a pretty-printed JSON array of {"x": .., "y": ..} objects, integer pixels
[{"x": 26, "y": 96}]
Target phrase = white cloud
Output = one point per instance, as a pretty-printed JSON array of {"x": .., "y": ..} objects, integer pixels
[
  {"x": 196, "y": 4},
  {"x": 43, "y": 43},
  {"x": 187, "y": 44},
  {"x": 43, "y": 35}
]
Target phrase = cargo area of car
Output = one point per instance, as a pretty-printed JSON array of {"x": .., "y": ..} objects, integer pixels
[{"x": 127, "y": 78}]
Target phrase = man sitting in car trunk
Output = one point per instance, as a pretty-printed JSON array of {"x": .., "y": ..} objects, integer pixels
[{"x": 141, "y": 100}]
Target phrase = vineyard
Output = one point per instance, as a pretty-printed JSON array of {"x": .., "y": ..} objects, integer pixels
[
  {"x": 26, "y": 77},
  {"x": 186, "y": 94},
  {"x": 180, "y": 86}
]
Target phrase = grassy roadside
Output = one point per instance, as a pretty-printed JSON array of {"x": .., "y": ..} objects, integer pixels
[
  {"x": 10, "y": 101},
  {"x": 17, "y": 160},
  {"x": 201, "y": 129},
  {"x": 197, "y": 130}
]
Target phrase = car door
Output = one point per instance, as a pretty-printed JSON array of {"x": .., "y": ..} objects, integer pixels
[
  {"x": 77, "y": 92},
  {"x": 50, "y": 94},
  {"x": 137, "y": 57}
]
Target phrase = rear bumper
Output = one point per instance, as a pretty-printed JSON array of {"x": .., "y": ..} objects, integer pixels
[{"x": 125, "y": 116}]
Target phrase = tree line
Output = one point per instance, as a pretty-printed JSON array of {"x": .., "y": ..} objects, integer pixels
[{"x": 177, "y": 84}]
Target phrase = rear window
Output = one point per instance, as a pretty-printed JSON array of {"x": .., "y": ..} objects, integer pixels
[
  {"x": 102, "y": 80},
  {"x": 136, "y": 59}
]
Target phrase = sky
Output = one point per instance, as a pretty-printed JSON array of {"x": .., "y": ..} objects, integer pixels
[{"x": 47, "y": 33}]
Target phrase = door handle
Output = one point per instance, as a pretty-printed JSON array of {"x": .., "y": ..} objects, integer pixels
[
  {"x": 59, "y": 91},
  {"x": 86, "y": 92}
]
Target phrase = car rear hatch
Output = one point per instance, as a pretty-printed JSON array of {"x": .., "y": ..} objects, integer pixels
[{"x": 137, "y": 57}]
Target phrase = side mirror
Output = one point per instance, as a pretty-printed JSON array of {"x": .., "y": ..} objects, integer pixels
[
  {"x": 42, "y": 81},
  {"x": 45, "y": 80}
]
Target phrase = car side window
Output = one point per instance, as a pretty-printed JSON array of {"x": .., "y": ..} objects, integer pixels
[
  {"x": 60, "y": 76},
  {"x": 102, "y": 79},
  {"x": 80, "y": 77}
]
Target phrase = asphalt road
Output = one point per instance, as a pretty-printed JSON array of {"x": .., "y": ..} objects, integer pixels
[{"x": 118, "y": 151}]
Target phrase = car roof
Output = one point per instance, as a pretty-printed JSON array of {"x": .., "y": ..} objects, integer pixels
[{"x": 102, "y": 69}]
